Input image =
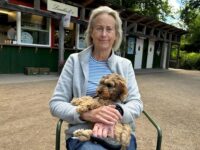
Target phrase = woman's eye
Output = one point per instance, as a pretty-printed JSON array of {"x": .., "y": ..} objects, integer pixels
[{"x": 109, "y": 30}]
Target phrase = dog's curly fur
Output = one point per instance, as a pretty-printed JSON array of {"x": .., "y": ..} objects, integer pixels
[{"x": 112, "y": 88}]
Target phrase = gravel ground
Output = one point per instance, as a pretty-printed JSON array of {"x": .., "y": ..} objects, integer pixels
[{"x": 171, "y": 97}]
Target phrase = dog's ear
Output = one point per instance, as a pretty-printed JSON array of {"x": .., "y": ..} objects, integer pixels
[{"x": 123, "y": 90}]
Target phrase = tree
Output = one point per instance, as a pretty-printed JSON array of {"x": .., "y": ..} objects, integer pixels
[
  {"x": 157, "y": 9},
  {"x": 195, "y": 27},
  {"x": 190, "y": 10},
  {"x": 190, "y": 14}
]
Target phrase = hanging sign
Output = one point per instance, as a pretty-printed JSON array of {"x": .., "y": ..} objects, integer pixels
[
  {"x": 66, "y": 20},
  {"x": 62, "y": 8}
]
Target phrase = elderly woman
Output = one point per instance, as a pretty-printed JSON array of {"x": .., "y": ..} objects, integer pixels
[{"x": 81, "y": 74}]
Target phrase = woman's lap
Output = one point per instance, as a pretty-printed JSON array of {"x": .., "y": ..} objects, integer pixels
[{"x": 75, "y": 144}]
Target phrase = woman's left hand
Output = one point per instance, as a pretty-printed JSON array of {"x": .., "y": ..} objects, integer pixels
[
  {"x": 103, "y": 130},
  {"x": 104, "y": 114}
]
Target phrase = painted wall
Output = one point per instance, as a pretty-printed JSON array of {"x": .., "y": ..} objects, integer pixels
[
  {"x": 13, "y": 59},
  {"x": 138, "y": 53},
  {"x": 150, "y": 54}
]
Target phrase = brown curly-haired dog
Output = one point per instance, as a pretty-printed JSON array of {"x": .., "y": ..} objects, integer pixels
[{"x": 111, "y": 89}]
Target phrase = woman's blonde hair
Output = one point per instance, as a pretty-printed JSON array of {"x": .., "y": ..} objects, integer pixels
[{"x": 118, "y": 25}]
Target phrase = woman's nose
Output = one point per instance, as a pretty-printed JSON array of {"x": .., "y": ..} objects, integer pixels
[{"x": 104, "y": 32}]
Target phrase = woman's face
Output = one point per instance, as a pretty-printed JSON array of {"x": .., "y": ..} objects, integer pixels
[{"x": 103, "y": 32}]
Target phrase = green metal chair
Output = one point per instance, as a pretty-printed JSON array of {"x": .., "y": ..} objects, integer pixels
[{"x": 159, "y": 132}]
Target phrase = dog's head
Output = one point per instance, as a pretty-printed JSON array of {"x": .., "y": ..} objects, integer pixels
[{"x": 112, "y": 87}]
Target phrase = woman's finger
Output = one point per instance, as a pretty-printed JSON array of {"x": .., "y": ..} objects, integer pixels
[
  {"x": 95, "y": 130},
  {"x": 110, "y": 114},
  {"x": 106, "y": 121},
  {"x": 100, "y": 131},
  {"x": 105, "y": 131},
  {"x": 111, "y": 132}
]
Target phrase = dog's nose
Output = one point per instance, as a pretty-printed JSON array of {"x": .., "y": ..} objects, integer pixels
[{"x": 99, "y": 92}]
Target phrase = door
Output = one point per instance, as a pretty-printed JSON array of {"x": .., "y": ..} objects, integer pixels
[
  {"x": 157, "y": 54},
  {"x": 150, "y": 54},
  {"x": 165, "y": 55},
  {"x": 145, "y": 53},
  {"x": 138, "y": 54}
]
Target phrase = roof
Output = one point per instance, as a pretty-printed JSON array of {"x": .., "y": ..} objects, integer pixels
[
  {"x": 125, "y": 14},
  {"x": 129, "y": 15},
  {"x": 150, "y": 22}
]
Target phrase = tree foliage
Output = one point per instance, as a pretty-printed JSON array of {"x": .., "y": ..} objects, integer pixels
[
  {"x": 190, "y": 14},
  {"x": 157, "y": 9},
  {"x": 190, "y": 10}
]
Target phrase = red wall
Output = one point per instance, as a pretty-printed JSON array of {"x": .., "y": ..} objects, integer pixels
[{"x": 28, "y": 3}]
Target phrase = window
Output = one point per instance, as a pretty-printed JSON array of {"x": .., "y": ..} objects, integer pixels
[
  {"x": 34, "y": 29},
  {"x": 80, "y": 41},
  {"x": 7, "y": 26},
  {"x": 69, "y": 35}
]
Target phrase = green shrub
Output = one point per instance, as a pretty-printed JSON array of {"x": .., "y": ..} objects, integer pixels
[
  {"x": 189, "y": 60},
  {"x": 173, "y": 54}
]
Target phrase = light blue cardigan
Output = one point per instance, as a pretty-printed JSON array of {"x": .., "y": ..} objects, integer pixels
[{"x": 73, "y": 82}]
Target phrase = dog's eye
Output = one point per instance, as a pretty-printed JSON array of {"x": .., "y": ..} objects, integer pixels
[{"x": 109, "y": 85}]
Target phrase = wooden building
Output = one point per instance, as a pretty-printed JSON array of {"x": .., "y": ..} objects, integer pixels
[{"x": 41, "y": 40}]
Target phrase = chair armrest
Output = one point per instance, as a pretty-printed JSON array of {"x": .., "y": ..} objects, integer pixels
[
  {"x": 159, "y": 131},
  {"x": 58, "y": 131}
]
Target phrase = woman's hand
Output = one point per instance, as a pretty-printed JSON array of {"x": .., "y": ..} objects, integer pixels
[
  {"x": 105, "y": 114},
  {"x": 103, "y": 130}
]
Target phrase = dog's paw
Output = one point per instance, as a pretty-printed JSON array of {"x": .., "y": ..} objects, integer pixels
[
  {"x": 82, "y": 109},
  {"x": 81, "y": 100},
  {"x": 126, "y": 135},
  {"x": 75, "y": 101},
  {"x": 83, "y": 134}
]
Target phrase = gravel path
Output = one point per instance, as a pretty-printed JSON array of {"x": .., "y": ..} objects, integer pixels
[{"x": 171, "y": 97}]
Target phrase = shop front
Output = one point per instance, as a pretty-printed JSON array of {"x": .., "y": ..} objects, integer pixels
[
  {"x": 33, "y": 34},
  {"x": 24, "y": 29},
  {"x": 31, "y": 40}
]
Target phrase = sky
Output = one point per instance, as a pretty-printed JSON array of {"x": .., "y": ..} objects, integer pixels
[{"x": 176, "y": 5}]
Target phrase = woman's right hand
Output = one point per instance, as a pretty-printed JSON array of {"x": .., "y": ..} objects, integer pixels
[
  {"x": 103, "y": 130},
  {"x": 104, "y": 114}
]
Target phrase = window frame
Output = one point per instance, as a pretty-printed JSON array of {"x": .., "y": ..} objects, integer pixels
[{"x": 19, "y": 31}]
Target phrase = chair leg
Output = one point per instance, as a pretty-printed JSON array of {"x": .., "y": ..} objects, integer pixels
[
  {"x": 159, "y": 131},
  {"x": 58, "y": 131}
]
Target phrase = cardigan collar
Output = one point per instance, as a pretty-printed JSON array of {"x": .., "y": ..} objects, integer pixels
[
  {"x": 86, "y": 53},
  {"x": 84, "y": 57}
]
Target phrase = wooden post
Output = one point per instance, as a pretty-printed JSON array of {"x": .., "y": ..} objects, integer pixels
[
  {"x": 82, "y": 14},
  {"x": 37, "y": 4},
  {"x": 169, "y": 50},
  {"x": 124, "y": 39},
  {"x": 177, "y": 57},
  {"x": 152, "y": 31},
  {"x": 61, "y": 46},
  {"x": 144, "y": 30}
]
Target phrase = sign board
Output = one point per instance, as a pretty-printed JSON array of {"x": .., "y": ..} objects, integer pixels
[
  {"x": 131, "y": 45},
  {"x": 62, "y": 8}
]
